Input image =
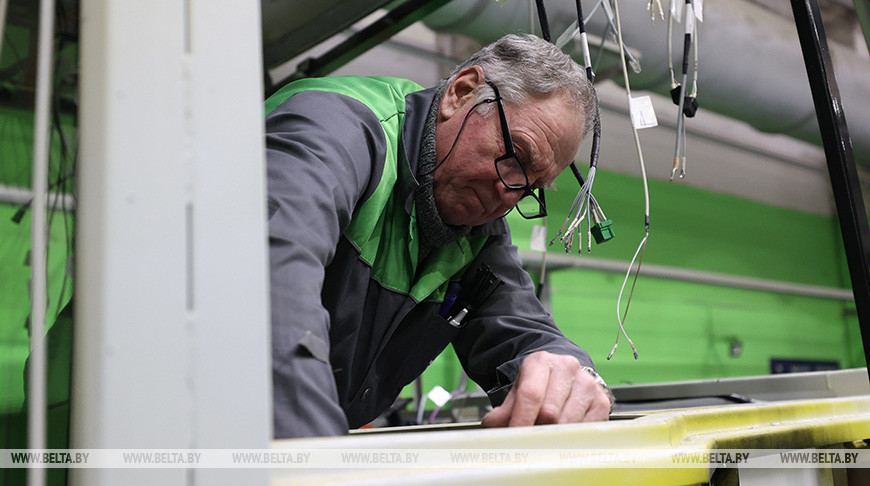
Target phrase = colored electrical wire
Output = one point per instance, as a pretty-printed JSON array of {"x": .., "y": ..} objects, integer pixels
[{"x": 584, "y": 202}]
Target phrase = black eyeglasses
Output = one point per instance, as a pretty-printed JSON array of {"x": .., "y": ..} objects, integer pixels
[
  {"x": 511, "y": 171},
  {"x": 508, "y": 167}
]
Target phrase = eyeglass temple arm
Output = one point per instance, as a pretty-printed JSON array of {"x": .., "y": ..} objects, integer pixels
[{"x": 508, "y": 143}]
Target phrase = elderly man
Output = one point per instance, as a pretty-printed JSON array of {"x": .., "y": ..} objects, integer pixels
[{"x": 381, "y": 196}]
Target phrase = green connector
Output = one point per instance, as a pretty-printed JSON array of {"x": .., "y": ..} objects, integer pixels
[{"x": 603, "y": 231}]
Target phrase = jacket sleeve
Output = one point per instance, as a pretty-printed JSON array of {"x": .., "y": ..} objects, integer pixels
[
  {"x": 325, "y": 153},
  {"x": 509, "y": 326}
]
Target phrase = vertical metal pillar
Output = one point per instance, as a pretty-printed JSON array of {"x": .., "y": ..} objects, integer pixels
[
  {"x": 838, "y": 152},
  {"x": 37, "y": 387},
  {"x": 171, "y": 336}
]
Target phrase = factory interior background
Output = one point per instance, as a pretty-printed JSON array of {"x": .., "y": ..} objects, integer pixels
[
  {"x": 754, "y": 204},
  {"x": 755, "y": 207}
]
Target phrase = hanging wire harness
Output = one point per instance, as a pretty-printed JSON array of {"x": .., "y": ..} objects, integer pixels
[
  {"x": 687, "y": 103},
  {"x": 602, "y": 229},
  {"x": 584, "y": 207},
  {"x": 642, "y": 246}
]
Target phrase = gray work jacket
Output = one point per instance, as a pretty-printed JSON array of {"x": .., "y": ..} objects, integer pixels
[{"x": 343, "y": 344}]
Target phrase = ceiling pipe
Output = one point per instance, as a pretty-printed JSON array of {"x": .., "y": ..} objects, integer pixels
[{"x": 751, "y": 67}]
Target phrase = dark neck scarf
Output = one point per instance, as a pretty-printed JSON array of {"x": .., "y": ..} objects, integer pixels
[{"x": 434, "y": 232}]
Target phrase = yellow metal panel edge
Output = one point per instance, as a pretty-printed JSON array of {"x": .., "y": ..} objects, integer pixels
[{"x": 782, "y": 425}]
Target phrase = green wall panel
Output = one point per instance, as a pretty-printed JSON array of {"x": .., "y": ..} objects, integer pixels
[
  {"x": 15, "y": 299},
  {"x": 16, "y": 148},
  {"x": 685, "y": 330},
  {"x": 702, "y": 230}
]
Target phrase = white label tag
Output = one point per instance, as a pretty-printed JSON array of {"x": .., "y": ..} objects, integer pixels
[
  {"x": 438, "y": 395},
  {"x": 643, "y": 115},
  {"x": 539, "y": 238},
  {"x": 677, "y": 10},
  {"x": 699, "y": 10}
]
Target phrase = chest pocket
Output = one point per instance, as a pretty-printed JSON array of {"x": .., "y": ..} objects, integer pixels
[{"x": 421, "y": 337}]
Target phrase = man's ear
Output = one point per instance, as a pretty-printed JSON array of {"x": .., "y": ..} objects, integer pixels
[{"x": 460, "y": 92}]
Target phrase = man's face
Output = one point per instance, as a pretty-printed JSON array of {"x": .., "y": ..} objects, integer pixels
[{"x": 546, "y": 134}]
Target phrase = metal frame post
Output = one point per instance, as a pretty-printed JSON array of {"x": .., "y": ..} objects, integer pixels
[
  {"x": 838, "y": 152},
  {"x": 171, "y": 326}
]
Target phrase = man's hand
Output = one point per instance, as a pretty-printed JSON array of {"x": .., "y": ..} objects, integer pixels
[{"x": 551, "y": 389}]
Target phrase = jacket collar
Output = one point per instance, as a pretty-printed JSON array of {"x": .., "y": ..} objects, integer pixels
[{"x": 417, "y": 105}]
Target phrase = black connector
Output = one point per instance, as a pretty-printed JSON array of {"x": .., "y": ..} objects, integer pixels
[
  {"x": 19, "y": 215},
  {"x": 690, "y": 103},
  {"x": 675, "y": 94},
  {"x": 690, "y": 106}
]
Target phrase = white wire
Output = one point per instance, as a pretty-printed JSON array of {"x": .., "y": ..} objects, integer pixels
[
  {"x": 588, "y": 229},
  {"x": 619, "y": 303},
  {"x": 580, "y": 209},
  {"x": 695, "y": 67},
  {"x": 581, "y": 200},
  {"x": 645, "y": 184},
  {"x": 671, "y": 44},
  {"x": 583, "y": 197},
  {"x": 685, "y": 138},
  {"x": 633, "y": 128},
  {"x": 598, "y": 208}
]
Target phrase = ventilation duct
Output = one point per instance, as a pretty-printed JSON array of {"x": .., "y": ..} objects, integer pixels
[{"x": 751, "y": 66}]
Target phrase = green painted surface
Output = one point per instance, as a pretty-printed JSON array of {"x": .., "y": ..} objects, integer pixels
[
  {"x": 15, "y": 301},
  {"x": 702, "y": 230},
  {"x": 685, "y": 330},
  {"x": 16, "y": 128}
]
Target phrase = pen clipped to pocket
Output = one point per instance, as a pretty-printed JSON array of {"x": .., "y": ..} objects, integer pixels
[{"x": 464, "y": 298}]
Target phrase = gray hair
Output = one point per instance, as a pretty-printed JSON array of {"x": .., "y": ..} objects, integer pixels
[{"x": 525, "y": 65}]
